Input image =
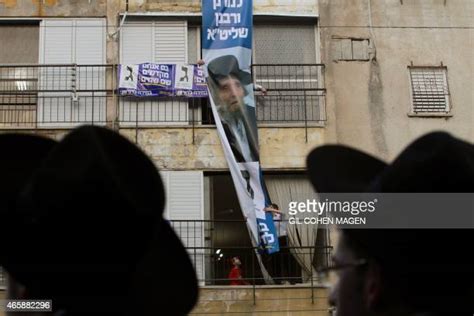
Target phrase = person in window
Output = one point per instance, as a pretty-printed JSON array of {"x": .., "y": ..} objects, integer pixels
[
  {"x": 235, "y": 275},
  {"x": 400, "y": 271},
  {"x": 228, "y": 83},
  {"x": 82, "y": 225},
  {"x": 281, "y": 261}
]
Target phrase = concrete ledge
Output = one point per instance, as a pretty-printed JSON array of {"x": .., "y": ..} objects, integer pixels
[{"x": 263, "y": 300}]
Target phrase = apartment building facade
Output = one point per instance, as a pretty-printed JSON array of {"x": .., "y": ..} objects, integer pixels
[{"x": 369, "y": 74}]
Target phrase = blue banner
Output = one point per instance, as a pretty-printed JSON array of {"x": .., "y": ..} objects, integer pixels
[
  {"x": 162, "y": 80},
  {"x": 227, "y": 23},
  {"x": 227, "y": 52}
]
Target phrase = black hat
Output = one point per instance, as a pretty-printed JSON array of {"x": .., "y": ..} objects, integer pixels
[
  {"x": 83, "y": 217},
  {"x": 228, "y": 65},
  {"x": 411, "y": 258},
  {"x": 436, "y": 162}
]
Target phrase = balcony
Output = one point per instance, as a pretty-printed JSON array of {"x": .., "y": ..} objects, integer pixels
[
  {"x": 53, "y": 96},
  {"x": 212, "y": 243},
  {"x": 64, "y": 96}
]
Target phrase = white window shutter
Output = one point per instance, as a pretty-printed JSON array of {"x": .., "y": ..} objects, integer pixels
[
  {"x": 170, "y": 40},
  {"x": 171, "y": 46},
  {"x": 57, "y": 47},
  {"x": 158, "y": 42},
  {"x": 90, "y": 50},
  {"x": 57, "y": 42},
  {"x": 90, "y": 41},
  {"x": 185, "y": 200},
  {"x": 71, "y": 41},
  {"x": 136, "y": 43},
  {"x": 185, "y": 209}
]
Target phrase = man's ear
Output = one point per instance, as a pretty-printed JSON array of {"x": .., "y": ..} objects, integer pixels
[{"x": 373, "y": 286}]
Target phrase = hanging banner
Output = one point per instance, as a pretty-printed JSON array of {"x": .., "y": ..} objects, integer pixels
[
  {"x": 162, "y": 80},
  {"x": 227, "y": 51}
]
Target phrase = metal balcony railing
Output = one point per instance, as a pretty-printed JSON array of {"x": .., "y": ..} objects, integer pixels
[
  {"x": 35, "y": 96},
  {"x": 296, "y": 93},
  {"x": 212, "y": 243}
]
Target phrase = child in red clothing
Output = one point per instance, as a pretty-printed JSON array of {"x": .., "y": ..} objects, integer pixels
[{"x": 235, "y": 275}]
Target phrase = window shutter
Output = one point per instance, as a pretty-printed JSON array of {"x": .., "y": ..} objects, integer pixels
[
  {"x": 71, "y": 41},
  {"x": 158, "y": 42},
  {"x": 90, "y": 41},
  {"x": 57, "y": 47},
  {"x": 185, "y": 193},
  {"x": 429, "y": 90},
  {"x": 136, "y": 42},
  {"x": 90, "y": 50},
  {"x": 57, "y": 42},
  {"x": 184, "y": 203},
  {"x": 283, "y": 73},
  {"x": 170, "y": 46},
  {"x": 170, "y": 41}
]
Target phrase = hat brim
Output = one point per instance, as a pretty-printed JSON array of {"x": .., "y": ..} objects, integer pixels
[
  {"x": 21, "y": 155},
  {"x": 164, "y": 278},
  {"x": 341, "y": 169},
  {"x": 244, "y": 77},
  {"x": 166, "y": 272},
  {"x": 228, "y": 65}
]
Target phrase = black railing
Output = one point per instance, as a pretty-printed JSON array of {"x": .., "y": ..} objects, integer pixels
[
  {"x": 213, "y": 243},
  {"x": 54, "y": 95},
  {"x": 295, "y": 93},
  {"x": 289, "y": 77},
  {"x": 34, "y": 96}
]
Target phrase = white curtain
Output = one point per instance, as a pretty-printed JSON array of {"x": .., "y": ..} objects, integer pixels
[{"x": 284, "y": 189}]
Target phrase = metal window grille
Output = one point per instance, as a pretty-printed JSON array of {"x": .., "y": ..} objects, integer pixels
[
  {"x": 429, "y": 90},
  {"x": 285, "y": 44}
]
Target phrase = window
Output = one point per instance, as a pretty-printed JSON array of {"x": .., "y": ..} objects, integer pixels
[
  {"x": 285, "y": 63},
  {"x": 71, "y": 94},
  {"x": 164, "y": 41},
  {"x": 429, "y": 90},
  {"x": 185, "y": 212},
  {"x": 18, "y": 99},
  {"x": 285, "y": 44},
  {"x": 350, "y": 49}
]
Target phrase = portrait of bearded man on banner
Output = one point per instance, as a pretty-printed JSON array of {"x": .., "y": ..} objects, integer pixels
[{"x": 228, "y": 83}]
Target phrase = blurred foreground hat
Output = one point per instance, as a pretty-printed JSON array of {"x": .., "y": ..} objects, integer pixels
[
  {"x": 411, "y": 258},
  {"x": 83, "y": 217},
  {"x": 436, "y": 162}
]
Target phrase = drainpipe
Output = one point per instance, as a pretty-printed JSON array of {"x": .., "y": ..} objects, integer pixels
[{"x": 372, "y": 46}]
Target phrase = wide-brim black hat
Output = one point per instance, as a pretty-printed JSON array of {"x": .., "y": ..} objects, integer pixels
[
  {"x": 227, "y": 65},
  {"x": 83, "y": 217},
  {"x": 435, "y": 162}
]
